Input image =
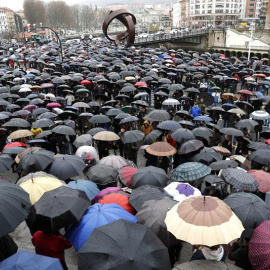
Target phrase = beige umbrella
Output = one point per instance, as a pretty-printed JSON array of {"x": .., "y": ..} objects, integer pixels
[
  {"x": 161, "y": 149},
  {"x": 222, "y": 150},
  {"x": 237, "y": 111},
  {"x": 106, "y": 136},
  {"x": 21, "y": 133},
  {"x": 204, "y": 220}
]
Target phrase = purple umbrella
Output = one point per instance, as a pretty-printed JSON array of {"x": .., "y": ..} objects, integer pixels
[
  {"x": 185, "y": 189},
  {"x": 30, "y": 107},
  {"x": 54, "y": 105}
]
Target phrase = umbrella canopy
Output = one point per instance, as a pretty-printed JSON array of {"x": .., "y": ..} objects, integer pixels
[
  {"x": 207, "y": 156},
  {"x": 206, "y": 265},
  {"x": 64, "y": 130},
  {"x": 181, "y": 191},
  {"x": 85, "y": 139},
  {"x": 149, "y": 176},
  {"x": 261, "y": 156},
  {"x": 113, "y": 241},
  {"x": 169, "y": 125},
  {"x": 196, "y": 218},
  {"x": 190, "y": 171},
  {"x": 152, "y": 214},
  {"x": 222, "y": 150},
  {"x": 18, "y": 123},
  {"x": 67, "y": 166},
  {"x": 249, "y": 208},
  {"x": 36, "y": 184},
  {"x": 89, "y": 188},
  {"x": 25, "y": 260},
  {"x": 182, "y": 135},
  {"x": 240, "y": 179},
  {"x": 43, "y": 123},
  {"x": 145, "y": 193},
  {"x": 117, "y": 162},
  {"x": 34, "y": 161},
  {"x": 243, "y": 161},
  {"x": 107, "y": 136},
  {"x": 263, "y": 179},
  {"x": 161, "y": 149},
  {"x": 246, "y": 123},
  {"x": 232, "y": 132},
  {"x": 152, "y": 136},
  {"x": 125, "y": 174},
  {"x": 94, "y": 131},
  {"x": 14, "y": 203},
  {"x": 87, "y": 152},
  {"x": 58, "y": 208},
  {"x": 100, "y": 119},
  {"x": 259, "y": 246},
  {"x": 96, "y": 216},
  {"x": 21, "y": 133},
  {"x": 5, "y": 162},
  {"x": 260, "y": 115},
  {"x": 132, "y": 136},
  {"x": 223, "y": 164},
  {"x": 102, "y": 174},
  {"x": 158, "y": 115},
  {"x": 191, "y": 146}
]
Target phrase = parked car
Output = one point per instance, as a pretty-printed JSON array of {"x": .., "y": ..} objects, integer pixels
[{"x": 143, "y": 35}]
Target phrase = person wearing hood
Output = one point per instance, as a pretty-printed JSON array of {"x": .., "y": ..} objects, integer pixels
[{"x": 146, "y": 128}]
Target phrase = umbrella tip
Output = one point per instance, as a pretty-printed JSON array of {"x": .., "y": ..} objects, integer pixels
[{"x": 131, "y": 260}]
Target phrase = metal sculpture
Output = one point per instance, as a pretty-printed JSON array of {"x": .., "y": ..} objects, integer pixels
[{"x": 125, "y": 17}]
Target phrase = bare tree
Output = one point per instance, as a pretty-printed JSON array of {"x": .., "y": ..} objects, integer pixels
[{"x": 34, "y": 11}]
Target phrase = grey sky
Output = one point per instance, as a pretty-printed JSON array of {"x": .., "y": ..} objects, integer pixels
[{"x": 18, "y": 4}]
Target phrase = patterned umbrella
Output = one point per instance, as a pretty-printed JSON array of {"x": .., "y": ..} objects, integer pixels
[
  {"x": 263, "y": 178},
  {"x": 181, "y": 191},
  {"x": 259, "y": 247},
  {"x": 240, "y": 179},
  {"x": 196, "y": 218},
  {"x": 190, "y": 171}
]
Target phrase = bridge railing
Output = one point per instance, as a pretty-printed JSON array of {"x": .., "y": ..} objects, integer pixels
[{"x": 152, "y": 38}]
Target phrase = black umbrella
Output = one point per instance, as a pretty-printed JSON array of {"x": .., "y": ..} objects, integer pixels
[
  {"x": 191, "y": 146},
  {"x": 132, "y": 136},
  {"x": 39, "y": 111},
  {"x": 43, "y": 134},
  {"x": 127, "y": 89},
  {"x": 150, "y": 176},
  {"x": 58, "y": 208},
  {"x": 192, "y": 90},
  {"x": 114, "y": 112},
  {"x": 68, "y": 114},
  {"x": 67, "y": 166},
  {"x": 152, "y": 214},
  {"x": 257, "y": 145},
  {"x": 14, "y": 203},
  {"x": 152, "y": 136},
  {"x": 168, "y": 125},
  {"x": 94, "y": 131},
  {"x": 158, "y": 115},
  {"x": 129, "y": 120},
  {"x": 35, "y": 161},
  {"x": 213, "y": 179},
  {"x": 232, "y": 131},
  {"x": 202, "y": 132},
  {"x": 47, "y": 115},
  {"x": 208, "y": 99},
  {"x": 111, "y": 244},
  {"x": 246, "y": 123},
  {"x": 18, "y": 123},
  {"x": 184, "y": 114},
  {"x": 249, "y": 208},
  {"x": 223, "y": 164},
  {"x": 64, "y": 130},
  {"x": 182, "y": 135},
  {"x": 13, "y": 150},
  {"x": 100, "y": 119},
  {"x": 207, "y": 156},
  {"x": 122, "y": 116},
  {"x": 145, "y": 193},
  {"x": 261, "y": 156},
  {"x": 102, "y": 174},
  {"x": 43, "y": 123},
  {"x": 5, "y": 162}
]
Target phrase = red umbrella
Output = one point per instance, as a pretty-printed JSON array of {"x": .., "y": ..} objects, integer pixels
[
  {"x": 259, "y": 247},
  {"x": 119, "y": 197},
  {"x": 85, "y": 82},
  {"x": 54, "y": 105},
  {"x": 259, "y": 75},
  {"x": 246, "y": 92},
  {"x": 140, "y": 84},
  {"x": 15, "y": 144},
  {"x": 47, "y": 85},
  {"x": 125, "y": 174},
  {"x": 267, "y": 141},
  {"x": 263, "y": 179}
]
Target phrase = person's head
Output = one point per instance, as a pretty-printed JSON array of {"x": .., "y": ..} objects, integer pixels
[
  {"x": 195, "y": 105},
  {"x": 213, "y": 248},
  {"x": 146, "y": 123},
  {"x": 227, "y": 137},
  {"x": 123, "y": 130},
  {"x": 245, "y": 131}
]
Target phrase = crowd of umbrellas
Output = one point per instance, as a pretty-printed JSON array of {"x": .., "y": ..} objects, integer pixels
[{"x": 63, "y": 122}]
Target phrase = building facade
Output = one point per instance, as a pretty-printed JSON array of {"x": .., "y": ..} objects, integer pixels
[
  {"x": 250, "y": 9},
  {"x": 3, "y": 21}
]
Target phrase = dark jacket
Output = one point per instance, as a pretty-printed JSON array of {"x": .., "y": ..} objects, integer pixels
[{"x": 239, "y": 254}]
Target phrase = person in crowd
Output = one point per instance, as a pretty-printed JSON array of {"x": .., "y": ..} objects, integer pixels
[
  {"x": 146, "y": 128},
  {"x": 214, "y": 253},
  {"x": 195, "y": 110}
]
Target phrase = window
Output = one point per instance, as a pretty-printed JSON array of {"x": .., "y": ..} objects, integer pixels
[
  {"x": 251, "y": 10},
  {"x": 251, "y": 5}
]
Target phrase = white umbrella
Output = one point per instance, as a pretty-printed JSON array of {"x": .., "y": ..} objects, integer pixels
[
  {"x": 87, "y": 152},
  {"x": 170, "y": 101},
  {"x": 260, "y": 115}
]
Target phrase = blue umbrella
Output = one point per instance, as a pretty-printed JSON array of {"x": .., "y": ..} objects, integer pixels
[
  {"x": 203, "y": 118},
  {"x": 229, "y": 106},
  {"x": 24, "y": 260},
  {"x": 90, "y": 188},
  {"x": 30, "y": 75},
  {"x": 96, "y": 216},
  {"x": 36, "y": 141}
]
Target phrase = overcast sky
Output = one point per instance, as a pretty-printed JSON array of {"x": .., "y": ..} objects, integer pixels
[{"x": 18, "y": 4}]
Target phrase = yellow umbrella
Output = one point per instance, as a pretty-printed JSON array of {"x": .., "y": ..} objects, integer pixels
[
  {"x": 204, "y": 220},
  {"x": 21, "y": 133},
  {"x": 36, "y": 184}
]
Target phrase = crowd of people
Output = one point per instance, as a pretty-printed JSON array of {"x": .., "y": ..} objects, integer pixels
[{"x": 209, "y": 108}]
